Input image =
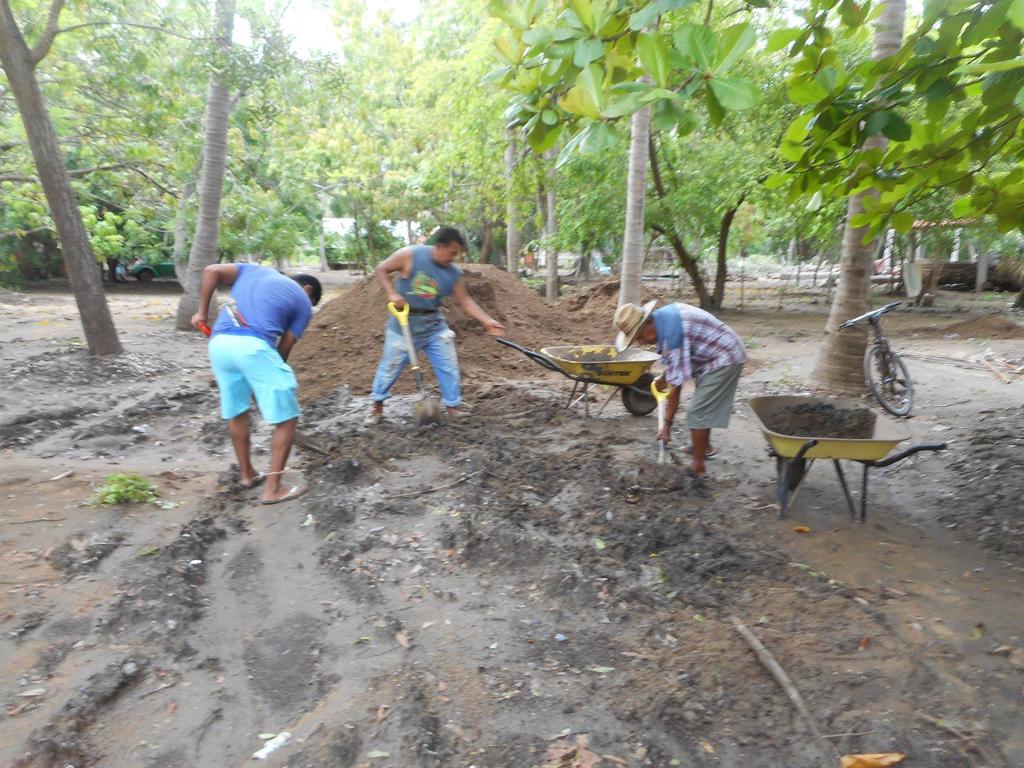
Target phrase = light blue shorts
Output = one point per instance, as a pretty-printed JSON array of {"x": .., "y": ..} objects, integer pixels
[{"x": 247, "y": 366}]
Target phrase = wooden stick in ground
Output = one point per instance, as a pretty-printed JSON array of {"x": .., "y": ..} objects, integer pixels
[
  {"x": 999, "y": 374},
  {"x": 829, "y": 755},
  {"x": 452, "y": 484}
]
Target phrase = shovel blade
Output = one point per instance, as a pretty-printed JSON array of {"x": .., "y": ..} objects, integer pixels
[{"x": 425, "y": 412}]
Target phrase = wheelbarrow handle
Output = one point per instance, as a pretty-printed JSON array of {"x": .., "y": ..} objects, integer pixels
[
  {"x": 909, "y": 452},
  {"x": 537, "y": 357}
]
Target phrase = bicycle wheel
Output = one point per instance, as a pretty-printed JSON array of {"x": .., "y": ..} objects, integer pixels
[{"x": 889, "y": 380}]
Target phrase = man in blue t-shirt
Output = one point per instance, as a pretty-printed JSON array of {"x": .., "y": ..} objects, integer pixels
[
  {"x": 254, "y": 332},
  {"x": 426, "y": 275}
]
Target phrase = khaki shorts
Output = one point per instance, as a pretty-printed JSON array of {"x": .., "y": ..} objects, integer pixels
[{"x": 711, "y": 404}]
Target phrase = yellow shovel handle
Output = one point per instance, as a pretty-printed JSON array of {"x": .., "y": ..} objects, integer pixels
[
  {"x": 659, "y": 394},
  {"x": 401, "y": 314}
]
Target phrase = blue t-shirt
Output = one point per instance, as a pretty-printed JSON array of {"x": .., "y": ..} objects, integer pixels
[{"x": 269, "y": 302}]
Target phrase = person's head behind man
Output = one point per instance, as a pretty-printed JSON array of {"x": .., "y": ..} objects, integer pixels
[
  {"x": 448, "y": 244},
  {"x": 311, "y": 286}
]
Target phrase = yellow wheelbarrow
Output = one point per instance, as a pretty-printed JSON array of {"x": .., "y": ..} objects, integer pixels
[
  {"x": 795, "y": 453},
  {"x": 592, "y": 364}
]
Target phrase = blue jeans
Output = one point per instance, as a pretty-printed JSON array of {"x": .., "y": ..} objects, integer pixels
[{"x": 439, "y": 347}]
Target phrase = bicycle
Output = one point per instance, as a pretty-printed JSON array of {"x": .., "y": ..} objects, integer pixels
[{"x": 884, "y": 370}]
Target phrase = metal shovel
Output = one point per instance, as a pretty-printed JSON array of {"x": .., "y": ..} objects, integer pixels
[
  {"x": 661, "y": 396},
  {"x": 425, "y": 410}
]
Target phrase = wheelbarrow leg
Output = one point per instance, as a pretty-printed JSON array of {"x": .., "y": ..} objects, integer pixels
[
  {"x": 783, "y": 471},
  {"x": 846, "y": 488},
  {"x": 569, "y": 402}
]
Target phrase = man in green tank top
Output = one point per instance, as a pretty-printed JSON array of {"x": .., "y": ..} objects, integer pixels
[{"x": 424, "y": 275}]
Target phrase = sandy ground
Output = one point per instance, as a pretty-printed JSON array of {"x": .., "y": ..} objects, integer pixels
[{"x": 523, "y": 588}]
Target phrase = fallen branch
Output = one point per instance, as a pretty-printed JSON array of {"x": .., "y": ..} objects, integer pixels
[
  {"x": 829, "y": 754},
  {"x": 452, "y": 484},
  {"x": 969, "y": 740},
  {"x": 38, "y": 520},
  {"x": 999, "y": 374}
]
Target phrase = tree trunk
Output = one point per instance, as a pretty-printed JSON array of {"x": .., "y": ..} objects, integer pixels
[
  {"x": 551, "y": 230},
  {"x": 19, "y": 63},
  {"x": 211, "y": 178},
  {"x": 686, "y": 260},
  {"x": 488, "y": 243},
  {"x": 840, "y": 361},
  {"x": 1019, "y": 303},
  {"x": 512, "y": 233},
  {"x": 630, "y": 290},
  {"x": 325, "y": 208},
  {"x": 718, "y": 297}
]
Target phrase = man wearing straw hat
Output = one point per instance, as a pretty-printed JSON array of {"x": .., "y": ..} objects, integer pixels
[{"x": 693, "y": 344}]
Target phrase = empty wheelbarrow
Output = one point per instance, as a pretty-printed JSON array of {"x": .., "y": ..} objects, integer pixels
[{"x": 800, "y": 429}]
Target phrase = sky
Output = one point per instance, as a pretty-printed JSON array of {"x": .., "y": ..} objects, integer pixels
[{"x": 309, "y": 21}]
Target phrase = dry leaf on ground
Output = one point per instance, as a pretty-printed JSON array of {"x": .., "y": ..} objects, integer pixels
[{"x": 882, "y": 760}]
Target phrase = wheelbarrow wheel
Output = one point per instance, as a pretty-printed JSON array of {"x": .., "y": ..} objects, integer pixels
[
  {"x": 795, "y": 473},
  {"x": 637, "y": 398}
]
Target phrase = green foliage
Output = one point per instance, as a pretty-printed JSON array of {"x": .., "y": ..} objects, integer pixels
[
  {"x": 125, "y": 488},
  {"x": 576, "y": 67},
  {"x": 950, "y": 103}
]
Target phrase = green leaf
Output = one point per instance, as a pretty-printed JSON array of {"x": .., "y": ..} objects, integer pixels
[
  {"x": 653, "y": 54},
  {"x": 715, "y": 110},
  {"x": 543, "y": 137},
  {"x": 780, "y": 38},
  {"x": 591, "y": 80},
  {"x": 733, "y": 42},
  {"x": 816, "y": 201},
  {"x": 601, "y": 136},
  {"x": 585, "y": 13},
  {"x": 599, "y": 544},
  {"x": 962, "y": 207},
  {"x": 735, "y": 92},
  {"x": 902, "y": 222},
  {"x": 777, "y": 181},
  {"x": 647, "y": 15},
  {"x": 1019, "y": 100},
  {"x": 627, "y": 105},
  {"x": 578, "y": 102},
  {"x": 804, "y": 90},
  {"x": 896, "y": 128},
  {"x": 587, "y": 51},
  {"x": 537, "y": 36},
  {"x": 671, "y": 115},
  {"x": 698, "y": 43},
  {"x": 1015, "y": 13},
  {"x": 876, "y": 122}
]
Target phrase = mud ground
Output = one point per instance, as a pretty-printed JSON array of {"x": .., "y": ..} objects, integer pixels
[{"x": 522, "y": 588}]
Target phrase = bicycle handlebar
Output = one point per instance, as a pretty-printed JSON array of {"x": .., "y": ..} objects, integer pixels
[{"x": 870, "y": 315}]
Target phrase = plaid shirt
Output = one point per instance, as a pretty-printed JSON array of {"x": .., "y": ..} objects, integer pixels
[{"x": 708, "y": 344}]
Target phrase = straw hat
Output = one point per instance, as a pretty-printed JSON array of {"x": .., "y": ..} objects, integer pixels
[{"x": 628, "y": 319}]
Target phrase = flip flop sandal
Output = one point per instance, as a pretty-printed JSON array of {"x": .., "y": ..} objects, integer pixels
[
  {"x": 254, "y": 483},
  {"x": 711, "y": 454},
  {"x": 293, "y": 493}
]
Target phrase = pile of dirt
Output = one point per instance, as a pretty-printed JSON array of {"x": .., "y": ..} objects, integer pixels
[
  {"x": 344, "y": 343},
  {"x": 823, "y": 420},
  {"x": 987, "y": 484},
  {"x": 982, "y": 327},
  {"x": 599, "y": 300}
]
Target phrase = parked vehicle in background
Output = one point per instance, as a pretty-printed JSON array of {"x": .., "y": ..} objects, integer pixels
[{"x": 145, "y": 271}]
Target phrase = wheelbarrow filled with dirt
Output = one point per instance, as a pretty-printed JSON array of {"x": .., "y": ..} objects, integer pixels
[
  {"x": 591, "y": 364},
  {"x": 801, "y": 429}
]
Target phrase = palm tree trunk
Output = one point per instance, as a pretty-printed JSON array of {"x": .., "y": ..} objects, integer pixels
[
  {"x": 839, "y": 365},
  {"x": 19, "y": 62},
  {"x": 211, "y": 179},
  {"x": 636, "y": 192},
  {"x": 512, "y": 234}
]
